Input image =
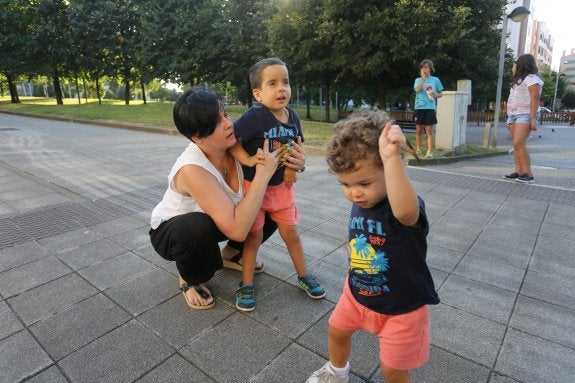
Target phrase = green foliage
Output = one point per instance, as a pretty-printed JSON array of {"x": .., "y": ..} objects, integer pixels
[{"x": 568, "y": 99}]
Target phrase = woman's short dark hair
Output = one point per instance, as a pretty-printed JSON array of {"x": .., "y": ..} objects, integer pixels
[
  {"x": 197, "y": 112},
  {"x": 524, "y": 66}
]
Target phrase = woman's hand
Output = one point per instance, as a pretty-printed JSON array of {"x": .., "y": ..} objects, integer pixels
[
  {"x": 270, "y": 160},
  {"x": 296, "y": 158}
]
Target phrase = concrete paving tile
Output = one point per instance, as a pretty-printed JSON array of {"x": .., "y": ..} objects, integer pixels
[
  {"x": 50, "y": 298},
  {"x": 91, "y": 253},
  {"x": 442, "y": 258},
  {"x": 469, "y": 336},
  {"x": 444, "y": 366},
  {"x": 295, "y": 364},
  {"x": 334, "y": 228},
  {"x": 21, "y": 254},
  {"x": 447, "y": 240},
  {"x": 150, "y": 255},
  {"x": 364, "y": 357},
  {"x": 496, "y": 378},
  {"x": 70, "y": 240},
  {"x": 439, "y": 277},
  {"x": 532, "y": 359},
  {"x": 510, "y": 238},
  {"x": 317, "y": 245},
  {"x": 338, "y": 257},
  {"x": 122, "y": 355},
  {"x": 75, "y": 327},
  {"x": 553, "y": 264},
  {"x": 484, "y": 248},
  {"x": 458, "y": 226},
  {"x": 557, "y": 246},
  {"x": 115, "y": 270},
  {"x": 145, "y": 291},
  {"x": 30, "y": 275},
  {"x": 6, "y": 209},
  {"x": 549, "y": 288},
  {"x": 544, "y": 320},
  {"x": 490, "y": 272},
  {"x": 526, "y": 225},
  {"x": 175, "y": 370},
  {"x": 21, "y": 357},
  {"x": 242, "y": 335},
  {"x": 133, "y": 239},
  {"x": 559, "y": 231},
  {"x": 225, "y": 284},
  {"x": 178, "y": 325},
  {"x": 560, "y": 215},
  {"x": 477, "y": 298},
  {"x": 30, "y": 191},
  {"x": 481, "y": 201},
  {"x": 50, "y": 375},
  {"x": 277, "y": 262},
  {"x": 117, "y": 226},
  {"x": 9, "y": 324},
  {"x": 288, "y": 310},
  {"x": 45, "y": 200},
  {"x": 523, "y": 207}
]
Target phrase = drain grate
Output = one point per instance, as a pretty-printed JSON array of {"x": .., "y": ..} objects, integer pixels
[{"x": 61, "y": 219}]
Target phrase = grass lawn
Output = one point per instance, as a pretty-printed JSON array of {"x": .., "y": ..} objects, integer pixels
[{"x": 159, "y": 115}]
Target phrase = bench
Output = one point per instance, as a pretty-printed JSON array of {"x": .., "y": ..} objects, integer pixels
[{"x": 406, "y": 125}]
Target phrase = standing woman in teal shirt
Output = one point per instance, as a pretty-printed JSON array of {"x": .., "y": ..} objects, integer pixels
[{"x": 427, "y": 89}]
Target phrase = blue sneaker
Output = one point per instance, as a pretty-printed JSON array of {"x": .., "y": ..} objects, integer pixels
[
  {"x": 311, "y": 287},
  {"x": 245, "y": 297},
  {"x": 525, "y": 178}
]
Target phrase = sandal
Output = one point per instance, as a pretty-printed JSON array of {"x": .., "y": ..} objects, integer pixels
[
  {"x": 234, "y": 264},
  {"x": 201, "y": 292}
]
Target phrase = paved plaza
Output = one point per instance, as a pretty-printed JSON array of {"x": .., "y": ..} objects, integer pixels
[{"x": 84, "y": 297}]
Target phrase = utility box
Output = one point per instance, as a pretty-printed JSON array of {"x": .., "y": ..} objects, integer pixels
[{"x": 452, "y": 116}]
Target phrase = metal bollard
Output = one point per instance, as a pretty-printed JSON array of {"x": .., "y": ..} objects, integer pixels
[{"x": 487, "y": 134}]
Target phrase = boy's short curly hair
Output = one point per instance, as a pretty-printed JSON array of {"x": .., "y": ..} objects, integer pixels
[{"x": 356, "y": 138}]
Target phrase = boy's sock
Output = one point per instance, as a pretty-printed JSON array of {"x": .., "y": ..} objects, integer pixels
[{"x": 340, "y": 371}]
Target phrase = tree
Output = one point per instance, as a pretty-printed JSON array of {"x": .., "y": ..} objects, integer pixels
[
  {"x": 17, "y": 34},
  {"x": 568, "y": 99}
]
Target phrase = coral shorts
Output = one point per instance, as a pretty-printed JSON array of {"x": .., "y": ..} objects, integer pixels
[
  {"x": 403, "y": 339},
  {"x": 279, "y": 202}
]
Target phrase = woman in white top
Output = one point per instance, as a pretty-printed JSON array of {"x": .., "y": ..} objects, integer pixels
[
  {"x": 526, "y": 87},
  {"x": 204, "y": 203}
]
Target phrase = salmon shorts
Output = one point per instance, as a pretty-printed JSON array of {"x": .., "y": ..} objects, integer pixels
[
  {"x": 403, "y": 339},
  {"x": 279, "y": 202}
]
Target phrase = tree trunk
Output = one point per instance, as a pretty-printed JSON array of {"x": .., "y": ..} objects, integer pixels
[
  {"x": 249, "y": 92},
  {"x": 98, "y": 91},
  {"x": 85, "y": 90},
  {"x": 308, "y": 105},
  {"x": 57, "y": 89},
  {"x": 327, "y": 103},
  {"x": 127, "y": 94},
  {"x": 78, "y": 90},
  {"x": 14, "y": 99},
  {"x": 143, "y": 90}
]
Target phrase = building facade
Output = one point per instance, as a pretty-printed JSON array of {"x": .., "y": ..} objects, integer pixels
[
  {"x": 567, "y": 67},
  {"x": 541, "y": 45}
]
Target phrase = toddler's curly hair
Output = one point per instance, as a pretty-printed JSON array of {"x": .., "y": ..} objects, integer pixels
[{"x": 356, "y": 138}]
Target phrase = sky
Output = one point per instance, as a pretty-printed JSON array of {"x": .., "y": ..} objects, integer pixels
[{"x": 559, "y": 17}]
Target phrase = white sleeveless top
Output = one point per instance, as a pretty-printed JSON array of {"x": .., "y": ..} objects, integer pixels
[{"x": 174, "y": 203}]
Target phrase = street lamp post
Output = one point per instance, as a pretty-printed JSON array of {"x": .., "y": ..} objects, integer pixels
[{"x": 517, "y": 15}]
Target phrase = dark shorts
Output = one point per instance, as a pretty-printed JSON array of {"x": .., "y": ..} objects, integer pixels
[{"x": 424, "y": 117}]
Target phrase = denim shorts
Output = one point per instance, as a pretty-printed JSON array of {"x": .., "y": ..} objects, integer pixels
[{"x": 523, "y": 118}]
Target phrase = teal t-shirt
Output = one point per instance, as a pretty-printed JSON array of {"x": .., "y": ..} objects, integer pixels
[{"x": 422, "y": 101}]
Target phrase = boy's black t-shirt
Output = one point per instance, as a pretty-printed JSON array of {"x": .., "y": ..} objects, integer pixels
[
  {"x": 387, "y": 269},
  {"x": 258, "y": 123}
]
